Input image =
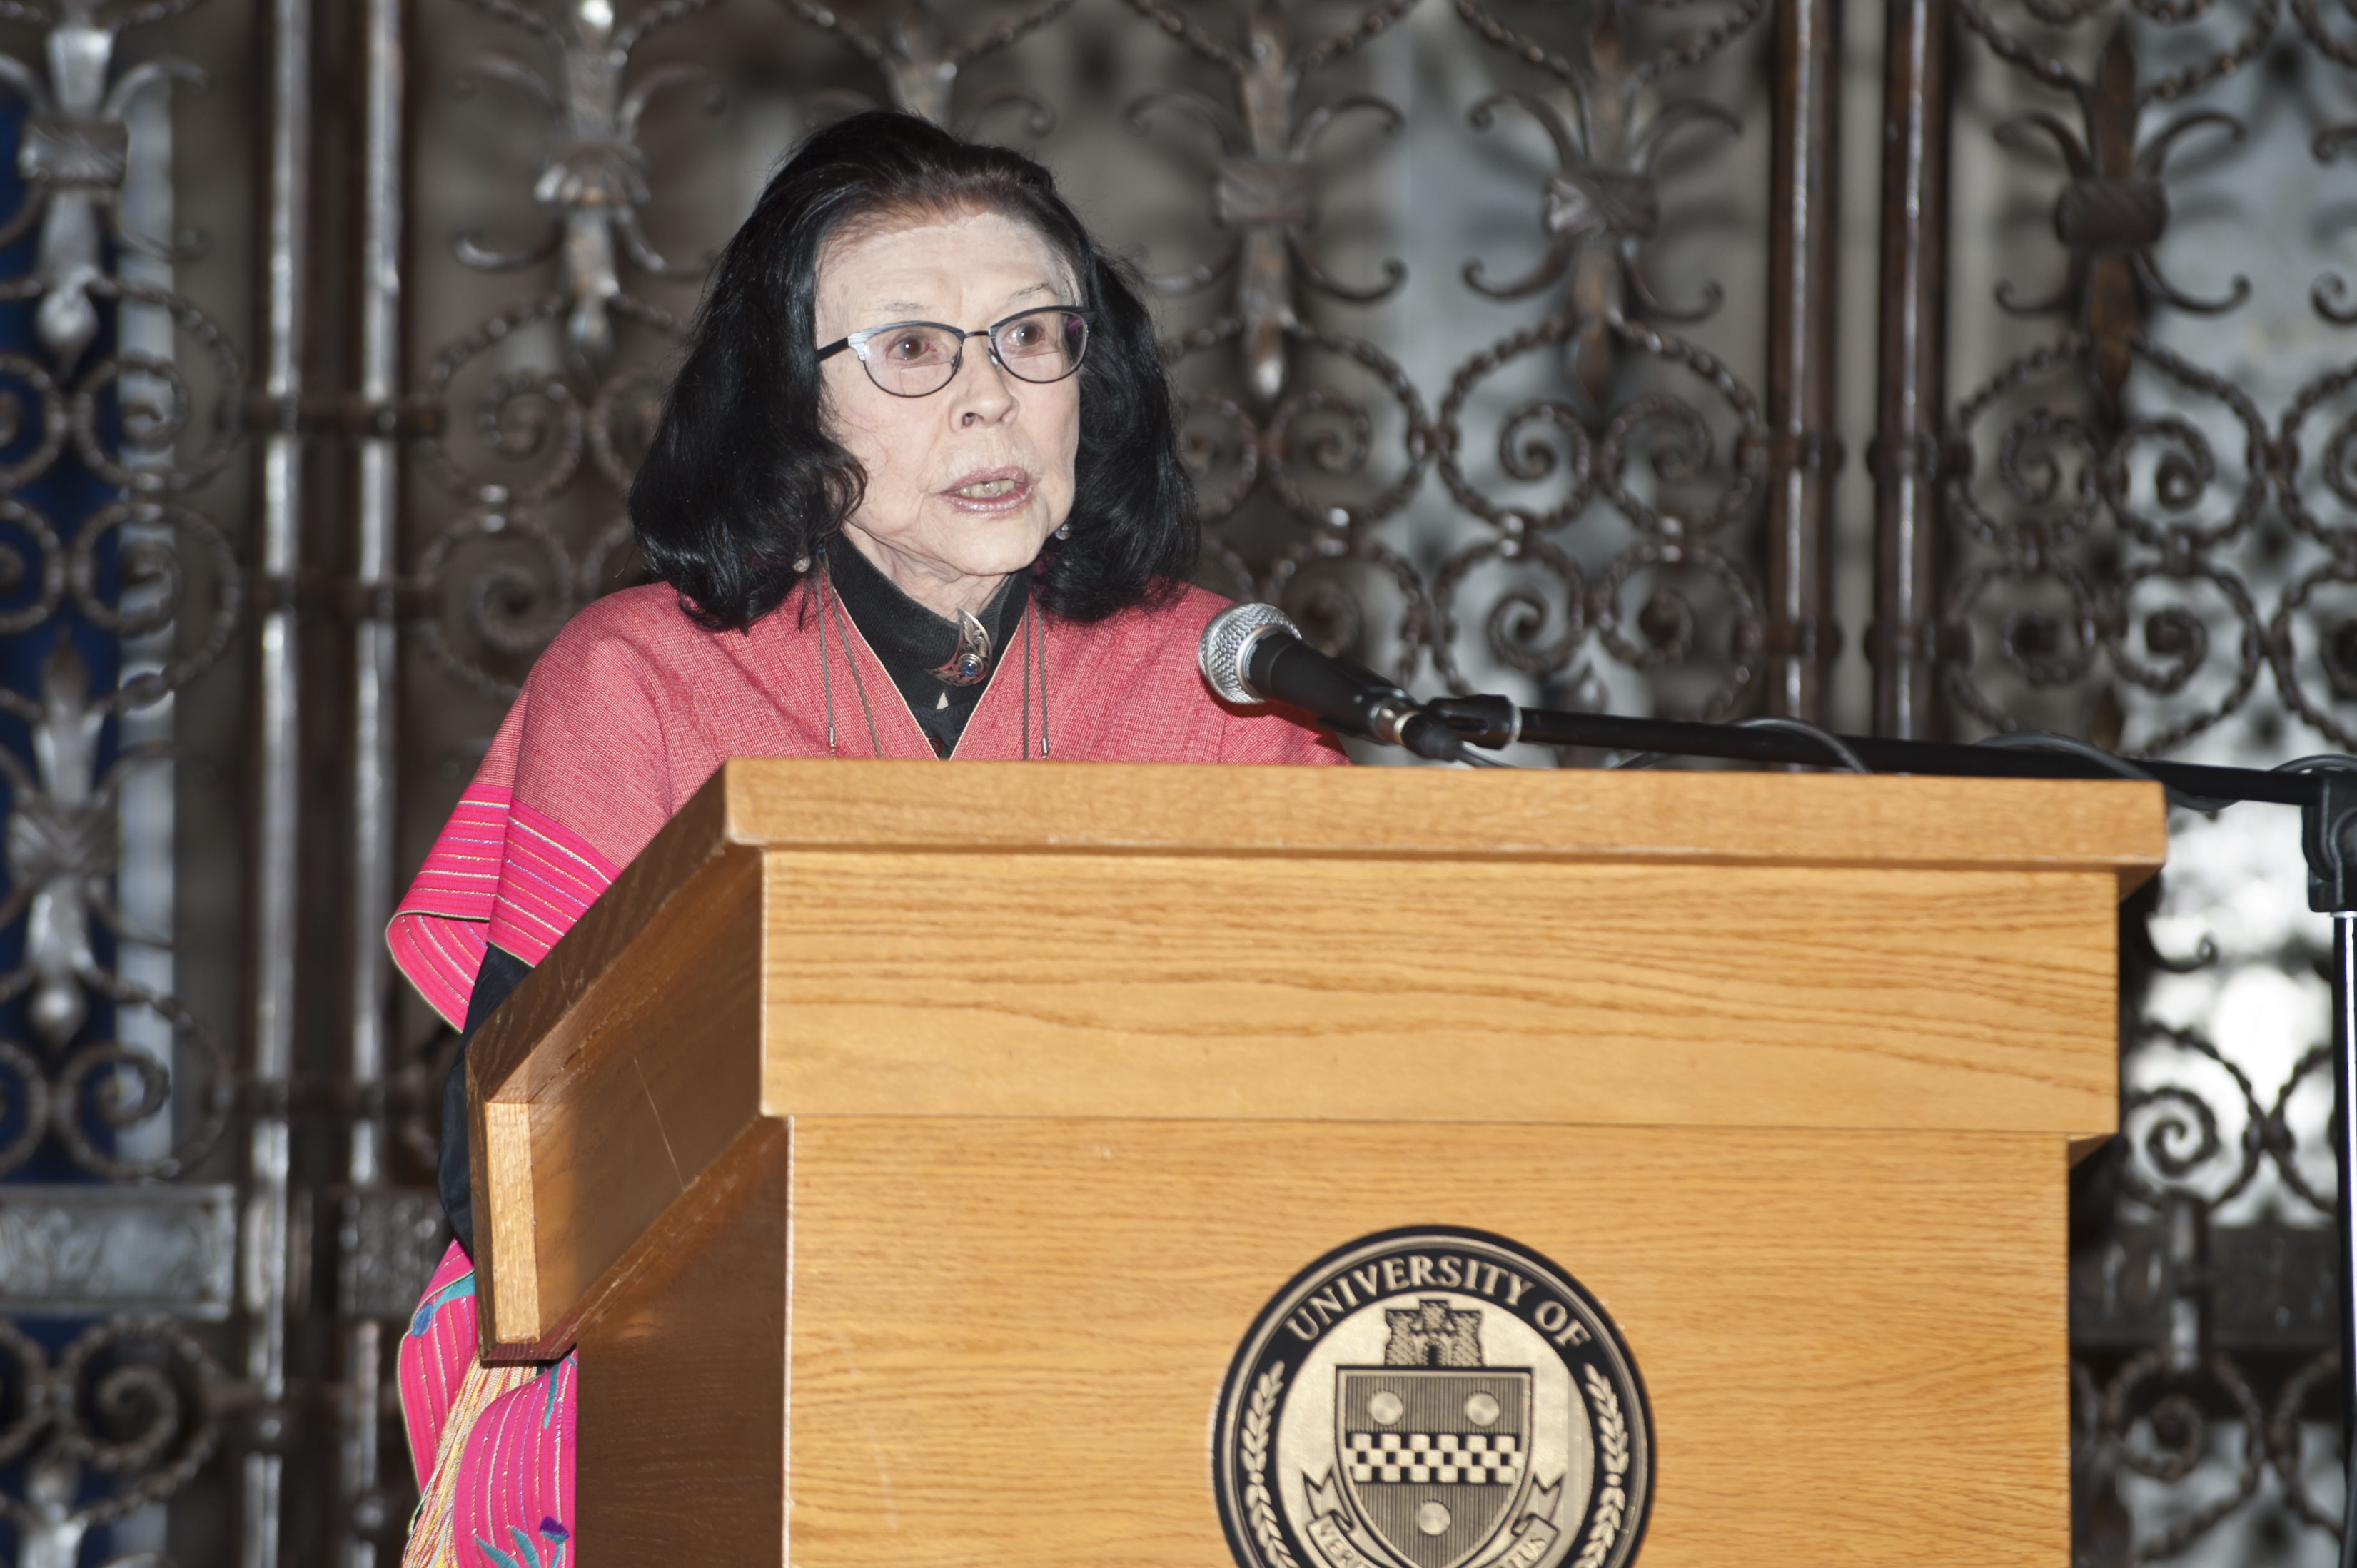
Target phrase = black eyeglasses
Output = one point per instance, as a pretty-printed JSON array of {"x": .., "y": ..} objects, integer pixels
[{"x": 917, "y": 358}]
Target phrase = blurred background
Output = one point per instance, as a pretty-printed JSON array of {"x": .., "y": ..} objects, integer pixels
[{"x": 1918, "y": 367}]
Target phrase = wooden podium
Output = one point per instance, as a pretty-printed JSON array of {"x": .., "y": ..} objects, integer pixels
[{"x": 906, "y": 1149}]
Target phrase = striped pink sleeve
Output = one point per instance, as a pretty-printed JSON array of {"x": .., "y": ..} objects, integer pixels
[
  {"x": 548, "y": 878},
  {"x": 437, "y": 933}
]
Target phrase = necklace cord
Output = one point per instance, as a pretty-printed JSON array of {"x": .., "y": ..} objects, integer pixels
[
  {"x": 849, "y": 659},
  {"x": 825, "y": 674}
]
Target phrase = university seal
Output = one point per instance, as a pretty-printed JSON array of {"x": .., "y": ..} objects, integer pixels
[{"x": 1433, "y": 1398}]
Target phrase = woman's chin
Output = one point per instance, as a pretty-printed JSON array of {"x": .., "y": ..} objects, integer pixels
[{"x": 993, "y": 546}]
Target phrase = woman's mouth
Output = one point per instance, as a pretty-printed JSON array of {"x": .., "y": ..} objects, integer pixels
[{"x": 990, "y": 494}]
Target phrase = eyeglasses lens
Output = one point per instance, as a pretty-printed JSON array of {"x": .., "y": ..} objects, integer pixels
[
  {"x": 912, "y": 361},
  {"x": 1042, "y": 345}
]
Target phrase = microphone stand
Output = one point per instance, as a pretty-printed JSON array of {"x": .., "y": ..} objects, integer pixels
[{"x": 2323, "y": 788}]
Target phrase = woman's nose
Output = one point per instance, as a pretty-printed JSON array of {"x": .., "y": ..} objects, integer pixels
[{"x": 982, "y": 394}]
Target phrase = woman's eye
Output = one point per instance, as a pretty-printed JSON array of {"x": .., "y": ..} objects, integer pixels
[
  {"x": 1026, "y": 335},
  {"x": 909, "y": 347}
]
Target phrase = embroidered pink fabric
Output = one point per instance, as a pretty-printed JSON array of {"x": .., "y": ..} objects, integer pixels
[
  {"x": 512, "y": 1500},
  {"x": 630, "y": 709}
]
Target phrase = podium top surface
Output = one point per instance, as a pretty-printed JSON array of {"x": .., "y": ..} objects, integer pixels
[{"x": 1700, "y": 818}]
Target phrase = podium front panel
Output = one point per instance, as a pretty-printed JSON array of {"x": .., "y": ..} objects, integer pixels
[{"x": 909, "y": 1151}]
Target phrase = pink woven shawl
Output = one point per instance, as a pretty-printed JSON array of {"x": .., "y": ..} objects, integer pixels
[{"x": 633, "y": 706}]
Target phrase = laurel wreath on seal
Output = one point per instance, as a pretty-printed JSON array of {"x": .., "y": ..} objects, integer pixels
[
  {"x": 1612, "y": 1438},
  {"x": 1259, "y": 1510}
]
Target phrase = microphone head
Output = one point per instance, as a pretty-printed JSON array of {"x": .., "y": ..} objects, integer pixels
[{"x": 1227, "y": 646}]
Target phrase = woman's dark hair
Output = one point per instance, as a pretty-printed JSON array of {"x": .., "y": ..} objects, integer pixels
[{"x": 742, "y": 483}]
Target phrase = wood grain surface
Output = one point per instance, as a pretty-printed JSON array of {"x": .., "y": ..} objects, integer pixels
[
  {"x": 683, "y": 1443},
  {"x": 552, "y": 1010},
  {"x": 1007, "y": 1336},
  {"x": 630, "y": 1096},
  {"x": 1575, "y": 992},
  {"x": 1078, "y": 1065},
  {"x": 1773, "y": 818}
]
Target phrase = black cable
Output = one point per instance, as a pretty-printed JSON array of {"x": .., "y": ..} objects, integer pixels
[
  {"x": 1824, "y": 737},
  {"x": 2042, "y": 740}
]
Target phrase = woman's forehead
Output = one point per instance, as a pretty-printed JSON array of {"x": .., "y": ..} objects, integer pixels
[{"x": 921, "y": 263}]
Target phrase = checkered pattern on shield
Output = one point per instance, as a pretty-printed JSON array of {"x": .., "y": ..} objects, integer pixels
[{"x": 1433, "y": 1458}]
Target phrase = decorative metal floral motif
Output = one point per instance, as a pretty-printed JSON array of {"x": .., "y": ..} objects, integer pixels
[
  {"x": 2082, "y": 466},
  {"x": 513, "y": 574},
  {"x": 1602, "y": 204},
  {"x": 921, "y": 66},
  {"x": 72, "y": 153},
  {"x": 1264, "y": 187},
  {"x": 62, "y": 835},
  {"x": 1644, "y": 454},
  {"x": 1307, "y": 448},
  {"x": 2115, "y": 210},
  {"x": 594, "y": 182}
]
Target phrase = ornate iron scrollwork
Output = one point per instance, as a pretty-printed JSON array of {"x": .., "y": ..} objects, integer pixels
[
  {"x": 127, "y": 1412},
  {"x": 504, "y": 569},
  {"x": 2139, "y": 541},
  {"x": 134, "y": 1403},
  {"x": 2122, "y": 511},
  {"x": 1308, "y": 448},
  {"x": 1628, "y": 441},
  {"x": 2073, "y": 476}
]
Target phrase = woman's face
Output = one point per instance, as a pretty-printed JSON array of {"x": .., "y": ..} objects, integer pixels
[{"x": 967, "y": 484}]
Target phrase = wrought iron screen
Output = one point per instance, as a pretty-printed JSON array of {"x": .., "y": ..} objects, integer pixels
[{"x": 1931, "y": 366}]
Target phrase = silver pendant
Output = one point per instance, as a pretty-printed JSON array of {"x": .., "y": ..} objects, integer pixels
[{"x": 971, "y": 663}]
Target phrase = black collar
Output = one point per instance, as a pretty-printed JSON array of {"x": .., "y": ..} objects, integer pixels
[{"x": 912, "y": 641}]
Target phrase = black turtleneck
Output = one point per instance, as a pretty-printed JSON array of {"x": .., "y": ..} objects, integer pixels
[{"x": 913, "y": 642}]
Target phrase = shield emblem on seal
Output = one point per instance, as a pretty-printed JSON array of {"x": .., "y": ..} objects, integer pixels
[{"x": 1434, "y": 1459}]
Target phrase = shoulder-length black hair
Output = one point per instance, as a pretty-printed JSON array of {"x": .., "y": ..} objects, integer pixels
[{"x": 742, "y": 482}]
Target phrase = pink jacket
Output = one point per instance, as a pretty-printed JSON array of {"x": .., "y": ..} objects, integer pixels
[{"x": 633, "y": 706}]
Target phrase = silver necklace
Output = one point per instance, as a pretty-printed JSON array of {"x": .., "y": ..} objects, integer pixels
[
  {"x": 969, "y": 665},
  {"x": 831, "y": 602}
]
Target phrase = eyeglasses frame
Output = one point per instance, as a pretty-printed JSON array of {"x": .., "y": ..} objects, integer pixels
[{"x": 857, "y": 343}]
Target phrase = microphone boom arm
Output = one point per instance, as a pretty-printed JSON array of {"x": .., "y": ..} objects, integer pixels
[{"x": 1494, "y": 721}]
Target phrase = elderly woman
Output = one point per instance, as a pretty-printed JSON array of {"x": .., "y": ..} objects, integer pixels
[{"x": 923, "y": 435}]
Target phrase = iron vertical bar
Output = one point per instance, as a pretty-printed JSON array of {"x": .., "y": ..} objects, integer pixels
[
  {"x": 1802, "y": 339},
  {"x": 2344, "y": 1135},
  {"x": 375, "y": 643},
  {"x": 278, "y": 717},
  {"x": 1910, "y": 380},
  {"x": 375, "y": 722}
]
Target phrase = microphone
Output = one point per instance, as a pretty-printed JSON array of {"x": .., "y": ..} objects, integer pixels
[{"x": 1251, "y": 653}]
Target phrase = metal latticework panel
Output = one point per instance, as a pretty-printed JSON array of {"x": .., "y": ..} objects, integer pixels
[{"x": 1523, "y": 344}]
